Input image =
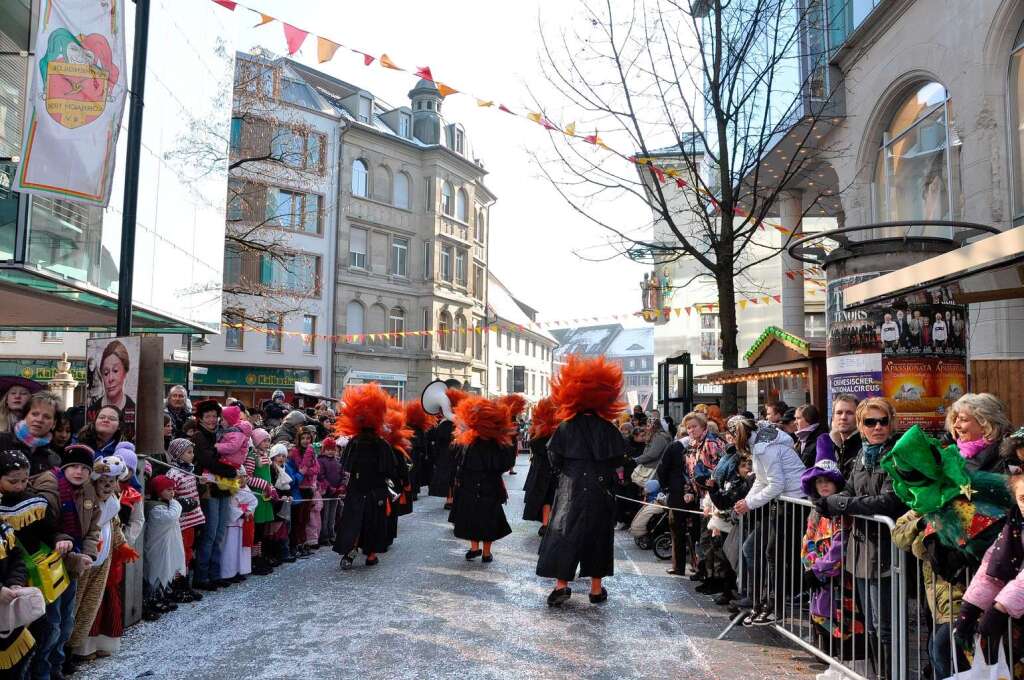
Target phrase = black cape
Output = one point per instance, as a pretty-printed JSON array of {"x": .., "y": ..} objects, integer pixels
[
  {"x": 584, "y": 452},
  {"x": 443, "y": 453},
  {"x": 370, "y": 462},
  {"x": 539, "y": 489},
  {"x": 480, "y": 492}
]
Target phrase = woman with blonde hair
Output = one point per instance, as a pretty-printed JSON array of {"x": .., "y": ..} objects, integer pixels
[{"x": 978, "y": 424}]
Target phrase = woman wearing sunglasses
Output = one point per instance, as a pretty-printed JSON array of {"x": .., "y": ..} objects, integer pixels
[{"x": 869, "y": 492}]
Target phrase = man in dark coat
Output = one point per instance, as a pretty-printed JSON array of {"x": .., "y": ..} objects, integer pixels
[{"x": 216, "y": 501}]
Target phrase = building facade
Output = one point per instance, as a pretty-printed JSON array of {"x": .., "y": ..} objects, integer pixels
[
  {"x": 631, "y": 348},
  {"x": 411, "y": 276},
  {"x": 519, "y": 353}
]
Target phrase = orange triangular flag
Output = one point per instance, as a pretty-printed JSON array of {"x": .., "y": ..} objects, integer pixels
[
  {"x": 325, "y": 49},
  {"x": 445, "y": 90},
  {"x": 264, "y": 19},
  {"x": 386, "y": 62}
]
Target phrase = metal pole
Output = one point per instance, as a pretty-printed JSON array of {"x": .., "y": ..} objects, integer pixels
[{"x": 126, "y": 271}]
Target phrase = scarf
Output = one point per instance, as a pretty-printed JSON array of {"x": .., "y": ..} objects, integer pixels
[
  {"x": 22, "y": 433},
  {"x": 971, "y": 449},
  {"x": 69, "y": 522},
  {"x": 1007, "y": 556},
  {"x": 872, "y": 453}
]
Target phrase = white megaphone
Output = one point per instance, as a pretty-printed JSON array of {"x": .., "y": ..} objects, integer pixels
[{"x": 435, "y": 400}]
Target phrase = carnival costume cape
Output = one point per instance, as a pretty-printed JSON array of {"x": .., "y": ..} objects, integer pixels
[{"x": 964, "y": 509}]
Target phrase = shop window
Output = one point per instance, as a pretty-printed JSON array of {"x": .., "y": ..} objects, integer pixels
[{"x": 917, "y": 170}]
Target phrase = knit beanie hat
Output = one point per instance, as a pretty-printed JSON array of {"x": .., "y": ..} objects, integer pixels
[
  {"x": 159, "y": 484},
  {"x": 259, "y": 435},
  {"x": 77, "y": 454},
  {"x": 110, "y": 466},
  {"x": 278, "y": 449},
  {"x": 204, "y": 406},
  {"x": 12, "y": 460},
  {"x": 231, "y": 415},
  {"x": 329, "y": 443},
  {"x": 178, "y": 447},
  {"x": 126, "y": 452},
  {"x": 295, "y": 418}
]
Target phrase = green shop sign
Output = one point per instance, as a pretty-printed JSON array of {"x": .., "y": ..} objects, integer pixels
[
  {"x": 40, "y": 370},
  {"x": 240, "y": 376}
]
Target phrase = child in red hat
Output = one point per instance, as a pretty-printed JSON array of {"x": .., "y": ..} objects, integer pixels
[{"x": 164, "y": 550}]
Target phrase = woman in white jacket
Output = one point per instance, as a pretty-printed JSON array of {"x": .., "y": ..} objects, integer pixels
[{"x": 777, "y": 472}]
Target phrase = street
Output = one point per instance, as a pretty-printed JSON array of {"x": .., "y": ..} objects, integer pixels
[{"x": 425, "y": 612}]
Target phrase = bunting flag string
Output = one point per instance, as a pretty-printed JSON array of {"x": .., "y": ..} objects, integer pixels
[{"x": 327, "y": 48}]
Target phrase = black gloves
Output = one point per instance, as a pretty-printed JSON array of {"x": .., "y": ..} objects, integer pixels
[
  {"x": 993, "y": 624},
  {"x": 188, "y": 504},
  {"x": 967, "y": 622},
  {"x": 828, "y": 507}
]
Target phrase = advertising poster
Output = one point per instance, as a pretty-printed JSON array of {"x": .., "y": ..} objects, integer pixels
[
  {"x": 912, "y": 350},
  {"x": 112, "y": 379}
]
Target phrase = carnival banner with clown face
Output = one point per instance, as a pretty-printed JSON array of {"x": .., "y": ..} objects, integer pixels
[{"x": 76, "y": 101}]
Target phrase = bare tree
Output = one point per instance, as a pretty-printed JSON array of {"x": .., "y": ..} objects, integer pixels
[
  {"x": 272, "y": 158},
  {"x": 703, "y": 92}
]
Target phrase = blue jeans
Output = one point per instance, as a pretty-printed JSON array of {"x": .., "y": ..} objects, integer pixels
[
  {"x": 207, "y": 562},
  {"x": 59, "y": 622},
  {"x": 875, "y": 599},
  {"x": 940, "y": 652}
]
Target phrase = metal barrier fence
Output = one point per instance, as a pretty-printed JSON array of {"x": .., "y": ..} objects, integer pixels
[{"x": 867, "y": 604}]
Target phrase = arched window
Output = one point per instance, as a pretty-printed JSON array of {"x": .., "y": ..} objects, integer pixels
[
  {"x": 446, "y": 199},
  {"x": 354, "y": 321},
  {"x": 360, "y": 178},
  {"x": 402, "y": 199},
  {"x": 444, "y": 330},
  {"x": 478, "y": 228},
  {"x": 378, "y": 322},
  {"x": 396, "y": 327},
  {"x": 382, "y": 184},
  {"x": 917, "y": 173},
  {"x": 460, "y": 334},
  {"x": 1016, "y": 90},
  {"x": 462, "y": 206}
]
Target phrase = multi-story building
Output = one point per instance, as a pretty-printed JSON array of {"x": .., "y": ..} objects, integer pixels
[
  {"x": 519, "y": 353},
  {"x": 411, "y": 278},
  {"x": 631, "y": 348},
  {"x": 281, "y": 231}
]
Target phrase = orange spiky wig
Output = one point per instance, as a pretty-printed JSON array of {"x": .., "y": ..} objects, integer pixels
[
  {"x": 396, "y": 432},
  {"x": 417, "y": 418},
  {"x": 455, "y": 396},
  {"x": 588, "y": 385},
  {"x": 515, "y": 403},
  {"x": 363, "y": 407},
  {"x": 477, "y": 418},
  {"x": 545, "y": 418}
]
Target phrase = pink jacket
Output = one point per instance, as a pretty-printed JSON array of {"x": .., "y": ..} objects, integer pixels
[
  {"x": 985, "y": 589},
  {"x": 308, "y": 466},
  {"x": 234, "y": 444}
]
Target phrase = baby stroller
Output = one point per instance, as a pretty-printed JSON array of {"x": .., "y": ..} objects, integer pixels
[{"x": 650, "y": 530}]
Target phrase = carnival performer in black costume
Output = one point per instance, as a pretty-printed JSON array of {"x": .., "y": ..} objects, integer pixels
[
  {"x": 370, "y": 462},
  {"x": 397, "y": 434},
  {"x": 539, "y": 490},
  {"x": 421, "y": 422},
  {"x": 585, "y": 451},
  {"x": 444, "y": 451},
  {"x": 486, "y": 435}
]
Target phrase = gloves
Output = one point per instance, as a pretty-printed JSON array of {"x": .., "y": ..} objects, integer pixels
[
  {"x": 811, "y": 582},
  {"x": 188, "y": 504},
  {"x": 966, "y": 623},
  {"x": 822, "y": 506},
  {"x": 993, "y": 624}
]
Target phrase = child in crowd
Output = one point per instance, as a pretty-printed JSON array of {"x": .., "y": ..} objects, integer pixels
[
  {"x": 165, "y": 553},
  {"x": 61, "y": 433},
  {"x": 26, "y": 515},
  {"x": 331, "y": 482},
  {"x": 299, "y": 458},
  {"x": 181, "y": 452},
  {"x": 236, "y": 556},
  {"x": 821, "y": 555},
  {"x": 283, "y": 483},
  {"x": 258, "y": 478}
]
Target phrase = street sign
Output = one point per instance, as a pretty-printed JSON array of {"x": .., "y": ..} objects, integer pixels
[
  {"x": 200, "y": 370},
  {"x": 179, "y": 355}
]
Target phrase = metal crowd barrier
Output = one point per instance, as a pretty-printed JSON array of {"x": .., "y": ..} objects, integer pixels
[{"x": 881, "y": 625}]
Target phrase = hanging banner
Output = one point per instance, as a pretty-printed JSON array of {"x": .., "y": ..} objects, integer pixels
[{"x": 76, "y": 101}]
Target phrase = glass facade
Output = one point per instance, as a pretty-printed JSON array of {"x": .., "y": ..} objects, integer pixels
[
  {"x": 844, "y": 17},
  {"x": 180, "y": 226}
]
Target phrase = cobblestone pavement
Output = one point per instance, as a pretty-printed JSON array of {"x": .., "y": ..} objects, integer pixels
[{"x": 426, "y": 613}]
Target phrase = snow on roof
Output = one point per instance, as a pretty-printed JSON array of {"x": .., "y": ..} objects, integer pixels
[
  {"x": 632, "y": 342},
  {"x": 504, "y": 306},
  {"x": 588, "y": 340}
]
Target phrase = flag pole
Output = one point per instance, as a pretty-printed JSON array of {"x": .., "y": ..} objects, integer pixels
[{"x": 126, "y": 270}]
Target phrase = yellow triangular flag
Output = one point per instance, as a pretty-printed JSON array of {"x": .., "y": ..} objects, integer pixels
[
  {"x": 386, "y": 62},
  {"x": 743, "y": 304},
  {"x": 483, "y": 102},
  {"x": 325, "y": 49},
  {"x": 535, "y": 117},
  {"x": 570, "y": 129}
]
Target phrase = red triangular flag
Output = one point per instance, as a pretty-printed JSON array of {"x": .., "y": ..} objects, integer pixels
[
  {"x": 789, "y": 275},
  {"x": 680, "y": 182},
  {"x": 367, "y": 59},
  {"x": 659, "y": 173},
  {"x": 424, "y": 72},
  {"x": 230, "y": 4},
  {"x": 777, "y": 298},
  {"x": 294, "y": 37},
  {"x": 502, "y": 107}
]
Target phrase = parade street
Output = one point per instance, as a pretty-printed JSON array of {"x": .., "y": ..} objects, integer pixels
[{"x": 424, "y": 612}]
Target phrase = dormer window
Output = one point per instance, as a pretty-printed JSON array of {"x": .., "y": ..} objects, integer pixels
[
  {"x": 405, "y": 126},
  {"x": 430, "y": 105},
  {"x": 460, "y": 140},
  {"x": 296, "y": 92},
  {"x": 365, "y": 109}
]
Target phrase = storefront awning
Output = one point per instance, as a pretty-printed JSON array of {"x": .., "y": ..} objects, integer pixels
[
  {"x": 38, "y": 300},
  {"x": 986, "y": 270},
  {"x": 755, "y": 373}
]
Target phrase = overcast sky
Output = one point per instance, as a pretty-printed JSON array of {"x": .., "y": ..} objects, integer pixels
[{"x": 490, "y": 48}]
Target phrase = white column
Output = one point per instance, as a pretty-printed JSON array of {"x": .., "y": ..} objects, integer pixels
[
  {"x": 63, "y": 383},
  {"x": 790, "y": 211}
]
